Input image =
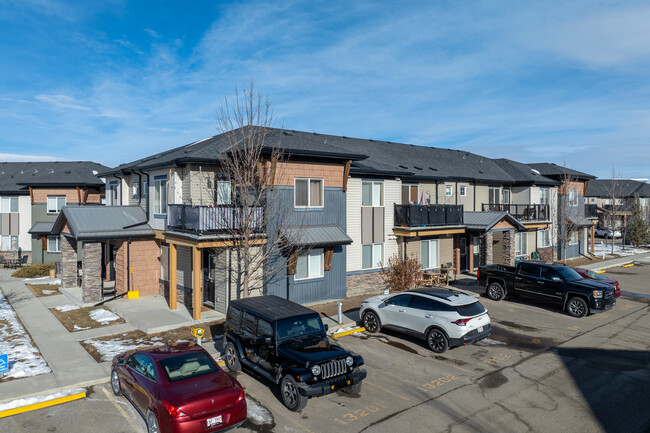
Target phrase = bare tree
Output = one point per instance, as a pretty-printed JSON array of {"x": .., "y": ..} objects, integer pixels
[
  {"x": 570, "y": 213},
  {"x": 612, "y": 215}
]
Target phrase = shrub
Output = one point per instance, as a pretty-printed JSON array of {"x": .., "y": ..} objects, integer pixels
[
  {"x": 400, "y": 275},
  {"x": 33, "y": 271}
]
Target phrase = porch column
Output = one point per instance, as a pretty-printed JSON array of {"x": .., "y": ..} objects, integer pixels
[
  {"x": 593, "y": 235},
  {"x": 509, "y": 247},
  {"x": 68, "y": 261},
  {"x": 469, "y": 250},
  {"x": 173, "y": 267},
  {"x": 196, "y": 283},
  {"x": 485, "y": 246},
  {"x": 91, "y": 288}
]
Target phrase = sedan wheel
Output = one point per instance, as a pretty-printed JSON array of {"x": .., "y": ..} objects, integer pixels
[
  {"x": 577, "y": 307},
  {"x": 437, "y": 341},
  {"x": 152, "y": 423},
  {"x": 371, "y": 322},
  {"x": 115, "y": 383}
]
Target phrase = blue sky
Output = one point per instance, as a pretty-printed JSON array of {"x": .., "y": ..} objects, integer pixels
[{"x": 113, "y": 81}]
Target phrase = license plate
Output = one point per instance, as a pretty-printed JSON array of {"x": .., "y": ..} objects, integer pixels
[
  {"x": 210, "y": 422},
  {"x": 480, "y": 329}
]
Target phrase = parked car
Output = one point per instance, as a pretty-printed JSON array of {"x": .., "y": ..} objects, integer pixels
[
  {"x": 549, "y": 282},
  {"x": 287, "y": 344},
  {"x": 179, "y": 389},
  {"x": 586, "y": 273},
  {"x": 607, "y": 233},
  {"x": 443, "y": 317}
]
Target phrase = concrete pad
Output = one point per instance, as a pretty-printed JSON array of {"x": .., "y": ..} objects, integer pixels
[{"x": 103, "y": 331}]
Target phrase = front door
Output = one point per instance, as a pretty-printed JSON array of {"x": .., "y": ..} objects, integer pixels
[
  {"x": 463, "y": 254},
  {"x": 112, "y": 249},
  {"x": 215, "y": 280}
]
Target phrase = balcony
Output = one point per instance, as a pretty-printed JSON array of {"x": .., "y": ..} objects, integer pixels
[
  {"x": 208, "y": 219},
  {"x": 429, "y": 215},
  {"x": 522, "y": 212}
]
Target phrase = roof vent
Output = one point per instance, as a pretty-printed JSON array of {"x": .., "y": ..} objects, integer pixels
[
  {"x": 417, "y": 168},
  {"x": 325, "y": 141},
  {"x": 51, "y": 170},
  {"x": 344, "y": 136},
  {"x": 480, "y": 171},
  {"x": 95, "y": 172},
  {"x": 21, "y": 171},
  {"x": 535, "y": 171},
  {"x": 35, "y": 171},
  {"x": 68, "y": 172},
  {"x": 403, "y": 166},
  {"x": 480, "y": 160},
  {"x": 433, "y": 169},
  {"x": 288, "y": 132}
]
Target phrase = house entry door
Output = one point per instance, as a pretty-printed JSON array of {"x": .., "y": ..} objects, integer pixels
[
  {"x": 215, "y": 281},
  {"x": 463, "y": 254}
]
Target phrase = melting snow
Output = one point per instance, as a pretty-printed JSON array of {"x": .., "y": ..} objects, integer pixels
[
  {"x": 56, "y": 281},
  {"x": 109, "y": 348},
  {"x": 488, "y": 342},
  {"x": 50, "y": 292},
  {"x": 258, "y": 414},
  {"x": 103, "y": 316},
  {"x": 39, "y": 399},
  {"x": 601, "y": 249},
  {"x": 24, "y": 358},
  {"x": 79, "y": 328},
  {"x": 69, "y": 307}
]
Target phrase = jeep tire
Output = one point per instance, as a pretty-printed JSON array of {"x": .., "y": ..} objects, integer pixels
[
  {"x": 232, "y": 358},
  {"x": 290, "y": 394}
]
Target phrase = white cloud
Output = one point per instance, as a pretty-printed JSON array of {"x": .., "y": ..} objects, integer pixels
[
  {"x": 152, "y": 33},
  {"x": 14, "y": 157},
  {"x": 62, "y": 101}
]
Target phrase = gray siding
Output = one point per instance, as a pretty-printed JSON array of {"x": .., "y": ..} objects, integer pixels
[{"x": 39, "y": 214}]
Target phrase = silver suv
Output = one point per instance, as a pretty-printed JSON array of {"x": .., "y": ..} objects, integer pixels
[{"x": 443, "y": 317}]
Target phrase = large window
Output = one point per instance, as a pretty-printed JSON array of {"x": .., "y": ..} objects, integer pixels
[
  {"x": 160, "y": 195},
  {"x": 506, "y": 196},
  {"x": 308, "y": 193},
  {"x": 372, "y": 194},
  {"x": 429, "y": 253},
  {"x": 224, "y": 192},
  {"x": 521, "y": 243},
  {"x": 493, "y": 195},
  {"x": 310, "y": 264},
  {"x": 544, "y": 196},
  {"x": 573, "y": 239},
  {"x": 55, "y": 203},
  {"x": 9, "y": 204},
  {"x": 544, "y": 238},
  {"x": 372, "y": 256},
  {"x": 111, "y": 193},
  {"x": 8, "y": 243},
  {"x": 53, "y": 244},
  {"x": 573, "y": 197}
]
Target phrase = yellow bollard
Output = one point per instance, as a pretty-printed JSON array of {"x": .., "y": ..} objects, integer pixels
[{"x": 197, "y": 333}]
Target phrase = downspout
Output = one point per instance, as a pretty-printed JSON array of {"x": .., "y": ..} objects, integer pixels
[
  {"x": 475, "y": 196},
  {"x": 456, "y": 195},
  {"x": 120, "y": 200},
  {"x": 436, "y": 192},
  {"x": 128, "y": 265},
  {"x": 148, "y": 198}
]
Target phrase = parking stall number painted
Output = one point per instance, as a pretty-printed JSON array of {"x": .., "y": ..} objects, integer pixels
[
  {"x": 360, "y": 413},
  {"x": 496, "y": 359},
  {"x": 436, "y": 383}
]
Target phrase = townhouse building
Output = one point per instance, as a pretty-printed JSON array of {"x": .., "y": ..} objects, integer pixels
[{"x": 613, "y": 200}]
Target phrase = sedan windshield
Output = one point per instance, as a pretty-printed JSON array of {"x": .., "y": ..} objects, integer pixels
[
  {"x": 187, "y": 365},
  {"x": 594, "y": 276},
  {"x": 568, "y": 274},
  {"x": 297, "y": 326}
]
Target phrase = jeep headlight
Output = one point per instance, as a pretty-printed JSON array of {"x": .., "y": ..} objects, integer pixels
[
  {"x": 315, "y": 370},
  {"x": 349, "y": 361},
  {"x": 598, "y": 293}
]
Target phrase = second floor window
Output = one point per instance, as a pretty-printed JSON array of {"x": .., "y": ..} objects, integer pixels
[
  {"x": 308, "y": 192},
  {"x": 55, "y": 203},
  {"x": 462, "y": 190},
  {"x": 111, "y": 193},
  {"x": 9, "y": 204},
  {"x": 145, "y": 188},
  {"x": 449, "y": 190},
  {"x": 506, "y": 196},
  {"x": 224, "y": 192},
  {"x": 573, "y": 197},
  {"x": 544, "y": 196},
  {"x": 494, "y": 192},
  {"x": 160, "y": 195},
  {"x": 135, "y": 189},
  {"x": 372, "y": 194}
]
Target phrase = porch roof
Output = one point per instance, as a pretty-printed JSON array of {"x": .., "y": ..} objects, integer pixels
[
  {"x": 41, "y": 228},
  {"x": 325, "y": 235},
  {"x": 103, "y": 222},
  {"x": 487, "y": 220},
  {"x": 579, "y": 220}
]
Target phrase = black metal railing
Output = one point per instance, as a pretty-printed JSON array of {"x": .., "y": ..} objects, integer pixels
[
  {"x": 523, "y": 212},
  {"x": 208, "y": 219},
  {"x": 427, "y": 215}
]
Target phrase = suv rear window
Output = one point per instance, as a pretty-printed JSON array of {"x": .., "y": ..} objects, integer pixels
[
  {"x": 234, "y": 316},
  {"x": 473, "y": 309}
]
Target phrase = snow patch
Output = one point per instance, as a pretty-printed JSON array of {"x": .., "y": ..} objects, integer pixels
[
  {"x": 488, "y": 342},
  {"x": 103, "y": 316},
  {"x": 109, "y": 348},
  {"x": 68, "y": 307},
  {"x": 38, "y": 399},
  {"x": 604, "y": 250},
  {"x": 345, "y": 329},
  {"x": 258, "y": 414},
  {"x": 50, "y": 292},
  {"x": 79, "y": 328},
  {"x": 52, "y": 281}
]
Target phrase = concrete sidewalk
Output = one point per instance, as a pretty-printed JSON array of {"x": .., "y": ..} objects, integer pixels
[{"x": 618, "y": 262}]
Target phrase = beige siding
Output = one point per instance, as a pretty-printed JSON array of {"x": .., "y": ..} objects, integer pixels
[
  {"x": 446, "y": 252},
  {"x": 185, "y": 184},
  {"x": 442, "y": 189},
  {"x": 482, "y": 196},
  {"x": 413, "y": 249},
  {"x": 429, "y": 190},
  {"x": 468, "y": 200},
  {"x": 202, "y": 185},
  {"x": 353, "y": 211},
  {"x": 520, "y": 195},
  {"x": 531, "y": 242}
]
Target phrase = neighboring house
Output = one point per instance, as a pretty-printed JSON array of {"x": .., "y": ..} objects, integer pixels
[
  {"x": 614, "y": 199},
  {"x": 31, "y": 197}
]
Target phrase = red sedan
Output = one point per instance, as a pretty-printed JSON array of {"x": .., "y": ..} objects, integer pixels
[
  {"x": 179, "y": 389},
  {"x": 586, "y": 273}
]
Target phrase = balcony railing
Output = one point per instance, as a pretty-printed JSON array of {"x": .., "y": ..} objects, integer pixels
[
  {"x": 208, "y": 219},
  {"x": 428, "y": 215},
  {"x": 522, "y": 212}
]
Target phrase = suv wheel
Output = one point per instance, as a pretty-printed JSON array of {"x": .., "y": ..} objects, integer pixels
[
  {"x": 291, "y": 397},
  {"x": 232, "y": 358},
  {"x": 577, "y": 307},
  {"x": 495, "y": 292},
  {"x": 437, "y": 341},
  {"x": 371, "y": 322}
]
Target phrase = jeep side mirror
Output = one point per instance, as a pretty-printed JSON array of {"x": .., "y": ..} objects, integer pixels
[
  {"x": 326, "y": 327},
  {"x": 557, "y": 279}
]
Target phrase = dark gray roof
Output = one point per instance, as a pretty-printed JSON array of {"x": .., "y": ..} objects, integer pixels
[
  {"x": 557, "y": 171},
  {"x": 579, "y": 220},
  {"x": 486, "y": 220},
  {"x": 15, "y": 177},
  {"x": 523, "y": 174},
  {"x": 104, "y": 222},
  {"x": 604, "y": 188},
  {"x": 325, "y": 235},
  {"x": 41, "y": 228}
]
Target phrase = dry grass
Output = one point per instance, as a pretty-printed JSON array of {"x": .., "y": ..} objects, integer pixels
[
  {"x": 81, "y": 318},
  {"x": 41, "y": 290}
]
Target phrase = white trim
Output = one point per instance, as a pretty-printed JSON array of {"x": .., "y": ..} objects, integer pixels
[
  {"x": 322, "y": 189},
  {"x": 307, "y": 255}
]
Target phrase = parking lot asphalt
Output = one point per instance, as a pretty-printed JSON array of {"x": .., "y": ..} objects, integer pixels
[{"x": 540, "y": 370}]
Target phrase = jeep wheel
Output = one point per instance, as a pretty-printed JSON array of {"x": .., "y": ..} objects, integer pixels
[
  {"x": 291, "y": 397},
  {"x": 495, "y": 292},
  {"x": 437, "y": 341},
  {"x": 371, "y": 322},
  {"x": 232, "y": 358},
  {"x": 577, "y": 307},
  {"x": 352, "y": 389}
]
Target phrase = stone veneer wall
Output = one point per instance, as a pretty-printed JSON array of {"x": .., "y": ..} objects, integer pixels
[
  {"x": 68, "y": 262},
  {"x": 509, "y": 247},
  {"x": 359, "y": 284},
  {"x": 485, "y": 246},
  {"x": 91, "y": 288}
]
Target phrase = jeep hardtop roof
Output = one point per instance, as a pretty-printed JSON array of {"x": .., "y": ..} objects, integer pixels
[{"x": 271, "y": 307}]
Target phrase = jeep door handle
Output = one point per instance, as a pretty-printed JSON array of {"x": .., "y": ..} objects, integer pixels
[{"x": 400, "y": 310}]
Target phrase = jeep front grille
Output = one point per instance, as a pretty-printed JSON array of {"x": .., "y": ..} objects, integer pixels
[{"x": 333, "y": 368}]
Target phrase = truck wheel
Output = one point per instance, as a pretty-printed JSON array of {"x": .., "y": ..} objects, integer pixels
[
  {"x": 232, "y": 358},
  {"x": 291, "y": 397},
  {"x": 371, "y": 322},
  {"x": 495, "y": 292},
  {"x": 437, "y": 341},
  {"x": 577, "y": 307},
  {"x": 352, "y": 389}
]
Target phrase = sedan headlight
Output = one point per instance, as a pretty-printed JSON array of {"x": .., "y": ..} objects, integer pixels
[
  {"x": 315, "y": 370},
  {"x": 349, "y": 361},
  {"x": 598, "y": 293}
]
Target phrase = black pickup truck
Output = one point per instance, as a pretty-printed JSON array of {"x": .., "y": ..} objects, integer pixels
[{"x": 549, "y": 282}]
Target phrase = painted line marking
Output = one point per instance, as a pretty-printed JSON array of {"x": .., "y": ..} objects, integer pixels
[
  {"x": 628, "y": 265},
  {"x": 42, "y": 404},
  {"x": 387, "y": 390},
  {"x": 600, "y": 272},
  {"x": 120, "y": 410},
  {"x": 352, "y": 331}
]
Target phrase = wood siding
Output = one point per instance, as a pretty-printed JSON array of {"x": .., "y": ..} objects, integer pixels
[
  {"x": 71, "y": 195},
  {"x": 286, "y": 172}
]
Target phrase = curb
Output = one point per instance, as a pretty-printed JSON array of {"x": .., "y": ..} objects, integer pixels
[
  {"x": 351, "y": 331},
  {"x": 42, "y": 404},
  {"x": 85, "y": 384}
]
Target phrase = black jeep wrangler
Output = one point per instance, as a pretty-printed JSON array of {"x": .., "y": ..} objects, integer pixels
[{"x": 287, "y": 343}]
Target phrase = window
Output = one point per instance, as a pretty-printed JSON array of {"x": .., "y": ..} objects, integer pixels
[
  {"x": 234, "y": 316},
  {"x": 372, "y": 256},
  {"x": 644, "y": 202},
  {"x": 308, "y": 193},
  {"x": 145, "y": 188},
  {"x": 224, "y": 192},
  {"x": 55, "y": 203},
  {"x": 476, "y": 242},
  {"x": 372, "y": 194},
  {"x": 449, "y": 190},
  {"x": 8, "y": 243},
  {"x": 429, "y": 253},
  {"x": 607, "y": 201},
  {"x": 264, "y": 328},
  {"x": 463, "y": 191},
  {"x": 573, "y": 197},
  {"x": 144, "y": 366},
  {"x": 549, "y": 274},
  {"x": 529, "y": 270},
  {"x": 248, "y": 324},
  {"x": 409, "y": 193},
  {"x": 188, "y": 365},
  {"x": 493, "y": 194},
  {"x": 160, "y": 195},
  {"x": 111, "y": 193},
  {"x": 310, "y": 264},
  {"x": 573, "y": 239},
  {"x": 544, "y": 238},
  {"x": 544, "y": 196},
  {"x": 422, "y": 303},
  {"x": 135, "y": 189},
  {"x": 506, "y": 196},
  {"x": 9, "y": 204},
  {"x": 521, "y": 243},
  {"x": 400, "y": 300},
  {"x": 53, "y": 244}
]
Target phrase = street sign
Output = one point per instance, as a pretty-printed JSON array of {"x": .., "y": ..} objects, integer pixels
[{"x": 4, "y": 363}]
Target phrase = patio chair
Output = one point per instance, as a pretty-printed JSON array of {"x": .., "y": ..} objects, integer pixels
[{"x": 23, "y": 261}]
